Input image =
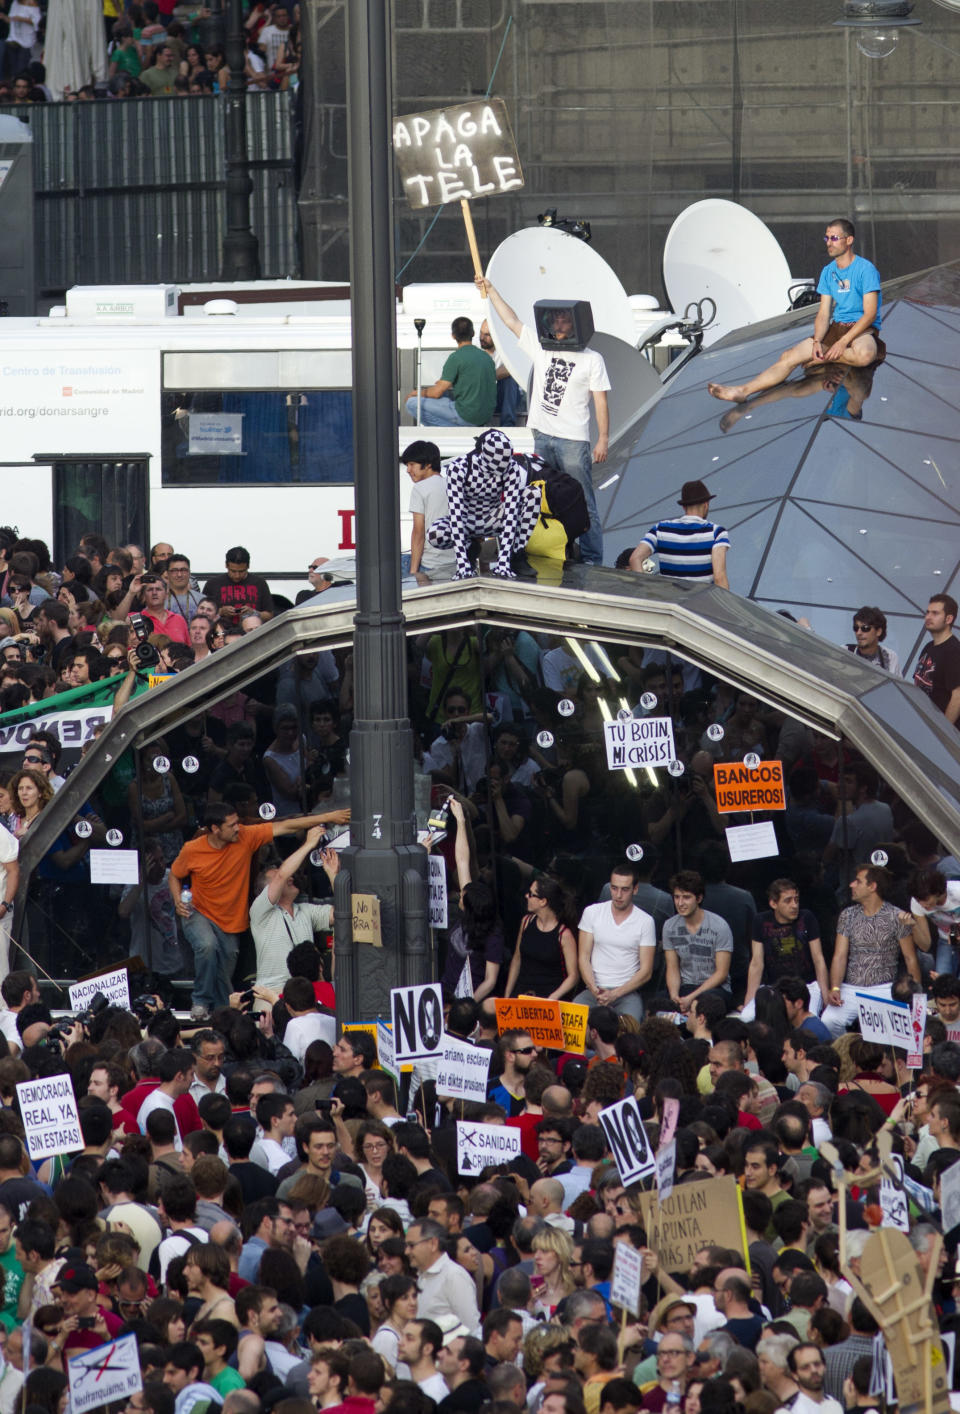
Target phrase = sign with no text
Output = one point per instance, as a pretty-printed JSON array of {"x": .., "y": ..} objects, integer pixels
[
  {"x": 456, "y": 154},
  {"x": 541, "y": 1020},
  {"x": 739, "y": 788},
  {"x": 365, "y": 917}
]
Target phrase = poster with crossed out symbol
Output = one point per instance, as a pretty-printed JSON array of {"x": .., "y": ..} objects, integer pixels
[
  {"x": 106, "y": 1373},
  {"x": 480, "y": 1145}
]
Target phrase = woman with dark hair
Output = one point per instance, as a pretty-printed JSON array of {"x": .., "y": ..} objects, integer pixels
[
  {"x": 770, "y": 1010},
  {"x": 475, "y": 942},
  {"x": 317, "y": 1077},
  {"x": 672, "y": 1062},
  {"x": 279, "y": 1270},
  {"x": 717, "y": 1396},
  {"x": 856, "y": 1117},
  {"x": 167, "y": 1315},
  {"x": 372, "y": 1146},
  {"x": 384, "y": 1223},
  {"x": 544, "y": 962},
  {"x": 392, "y": 1257},
  {"x": 45, "y": 1389},
  {"x": 399, "y": 1297}
]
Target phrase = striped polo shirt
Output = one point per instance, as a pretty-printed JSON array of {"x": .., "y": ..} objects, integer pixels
[{"x": 685, "y": 546}]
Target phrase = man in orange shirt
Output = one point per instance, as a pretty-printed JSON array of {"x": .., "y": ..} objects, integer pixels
[{"x": 218, "y": 866}]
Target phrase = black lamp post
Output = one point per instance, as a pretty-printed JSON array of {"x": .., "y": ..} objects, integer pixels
[
  {"x": 383, "y": 858},
  {"x": 241, "y": 249}
]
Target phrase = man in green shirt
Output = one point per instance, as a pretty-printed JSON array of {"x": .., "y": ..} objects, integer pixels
[
  {"x": 12, "y": 1270},
  {"x": 160, "y": 79},
  {"x": 465, "y": 394},
  {"x": 216, "y": 1341}
]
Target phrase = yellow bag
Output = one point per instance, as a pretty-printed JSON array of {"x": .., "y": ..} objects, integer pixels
[{"x": 548, "y": 537}]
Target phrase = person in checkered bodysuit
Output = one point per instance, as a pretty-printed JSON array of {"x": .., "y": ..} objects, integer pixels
[{"x": 487, "y": 494}]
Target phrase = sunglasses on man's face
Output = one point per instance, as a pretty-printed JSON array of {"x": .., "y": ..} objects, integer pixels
[{"x": 524, "y": 1050}]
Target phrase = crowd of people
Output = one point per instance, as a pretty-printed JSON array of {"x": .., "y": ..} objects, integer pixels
[{"x": 152, "y": 49}]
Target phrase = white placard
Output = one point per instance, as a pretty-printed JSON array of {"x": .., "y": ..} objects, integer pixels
[
  {"x": 918, "y": 1025},
  {"x": 666, "y": 1168},
  {"x": 114, "y": 985},
  {"x": 417, "y": 1022},
  {"x": 215, "y": 434},
  {"x": 438, "y": 890},
  {"x": 625, "y": 1283},
  {"x": 950, "y": 1197},
  {"x": 385, "y": 1050},
  {"x": 479, "y": 1145},
  {"x": 106, "y": 1373},
  {"x": 641, "y": 741},
  {"x": 893, "y": 1200},
  {"x": 627, "y": 1140},
  {"x": 886, "y": 1022},
  {"x": 50, "y": 1119},
  {"x": 114, "y": 866},
  {"x": 751, "y": 841},
  {"x": 463, "y": 1070}
]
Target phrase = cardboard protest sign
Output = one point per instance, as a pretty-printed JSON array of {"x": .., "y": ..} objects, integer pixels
[
  {"x": 50, "y": 1118},
  {"x": 899, "y": 1299},
  {"x": 106, "y": 1373},
  {"x": 625, "y": 1283},
  {"x": 628, "y": 1140},
  {"x": 542, "y": 1020},
  {"x": 456, "y": 154},
  {"x": 365, "y": 919},
  {"x": 641, "y": 741},
  {"x": 573, "y": 1016},
  {"x": 437, "y": 884},
  {"x": 695, "y": 1215},
  {"x": 113, "y": 985},
  {"x": 463, "y": 1070},
  {"x": 886, "y": 1022},
  {"x": 480, "y": 1145},
  {"x": 739, "y": 788},
  {"x": 417, "y": 1022}
]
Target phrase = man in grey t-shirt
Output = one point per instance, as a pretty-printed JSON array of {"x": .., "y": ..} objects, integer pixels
[{"x": 697, "y": 945}]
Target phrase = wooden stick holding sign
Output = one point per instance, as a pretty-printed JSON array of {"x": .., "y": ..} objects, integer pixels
[{"x": 457, "y": 154}]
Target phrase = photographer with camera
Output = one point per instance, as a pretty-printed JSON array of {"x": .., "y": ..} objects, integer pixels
[{"x": 149, "y": 591}]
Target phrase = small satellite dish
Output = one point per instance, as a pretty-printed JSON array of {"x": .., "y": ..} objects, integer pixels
[
  {"x": 720, "y": 249},
  {"x": 544, "y": 263}
]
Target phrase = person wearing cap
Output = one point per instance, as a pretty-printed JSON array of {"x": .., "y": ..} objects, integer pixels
[
  {"x": 76, "y": 1289},
  {"x": 672, "y": 1315},
  {"x": 690, "y": 546}
]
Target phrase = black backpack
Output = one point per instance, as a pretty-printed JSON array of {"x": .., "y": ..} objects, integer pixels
[{"x": 563, "y": 492}]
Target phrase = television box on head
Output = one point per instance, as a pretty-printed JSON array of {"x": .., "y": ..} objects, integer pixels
[{"x": 579, "y": 323}]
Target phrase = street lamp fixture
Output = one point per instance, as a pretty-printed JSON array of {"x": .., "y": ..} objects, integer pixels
[{"x": 878, "y": 23}]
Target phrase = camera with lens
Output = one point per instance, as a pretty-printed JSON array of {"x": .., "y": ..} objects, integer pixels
[
  {"x": 143, "y": 1007},
  {"x": 144, "y": 652},
  {"x": 61, "y": 1029}
]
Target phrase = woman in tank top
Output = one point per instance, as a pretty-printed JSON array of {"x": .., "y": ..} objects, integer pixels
[{"x": 544, "y": 962}]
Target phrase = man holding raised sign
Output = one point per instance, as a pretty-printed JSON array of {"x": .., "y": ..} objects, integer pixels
[{"x": 872, "y": 936}]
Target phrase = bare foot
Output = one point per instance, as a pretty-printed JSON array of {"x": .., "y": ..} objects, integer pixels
[
  {"x": 730, "y": 419},
  {"x": 727, "y": 395}
]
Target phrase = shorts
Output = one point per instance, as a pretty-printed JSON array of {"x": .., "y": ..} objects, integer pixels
[{"x": 837, "y": 331}]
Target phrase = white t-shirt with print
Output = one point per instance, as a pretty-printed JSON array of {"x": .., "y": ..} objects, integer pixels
[{"x": 562, "y": 388}]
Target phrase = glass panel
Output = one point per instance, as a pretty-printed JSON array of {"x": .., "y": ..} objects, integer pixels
[
  {"x": 258, "y": 369},
  {"x": 244, "y": 439},
  {"x": 99, "y": 498}
]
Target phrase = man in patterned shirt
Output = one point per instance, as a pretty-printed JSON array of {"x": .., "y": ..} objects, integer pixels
[{"x": 871, "y": 937}]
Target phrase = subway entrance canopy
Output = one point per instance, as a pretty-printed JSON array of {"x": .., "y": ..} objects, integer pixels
[
  {"x": 834, "y": 495},
  {"x": 607, "y": 631}
]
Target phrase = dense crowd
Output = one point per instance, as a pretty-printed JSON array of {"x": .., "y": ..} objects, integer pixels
[{"x": 156, "y": 48}]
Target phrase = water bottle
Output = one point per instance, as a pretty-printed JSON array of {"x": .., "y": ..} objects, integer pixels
[
  {"x": 674, "y": 1395},
  {"x": 186, "y": 898}
]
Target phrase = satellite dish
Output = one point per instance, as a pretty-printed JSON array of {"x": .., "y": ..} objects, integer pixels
[
  {"x": 544, "y": 263},
  {"x": 722, "y": 250},
  {"x": 634, "y": 384}
]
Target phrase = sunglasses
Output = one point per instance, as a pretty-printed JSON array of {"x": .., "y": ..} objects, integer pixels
[{"x": 523, "y": 1050}]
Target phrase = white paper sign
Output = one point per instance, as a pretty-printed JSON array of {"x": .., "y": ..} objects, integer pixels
[
  {"x": 918, "y": 1025},
  {"x": 627, "y": 1140},
  {"x": 438, "y": 890},
  {"x": 950, "y": 1197},
  {"x": 666, "y": 1168},
  {"x": 106, "y": 1373},
  {"x": 641, "y": 741},
  {"x": 215, "y": 434},
  {"x": 479, "y": 1145},
  {"x": 751, "y": 841},
  {"x": 114, "y": 986},
  {"x": 385, "y": 1050},
  {"x": 50, "y": 1119},
  {"x": 417, "y": 1022},
  {"x": 886, "y": 1022},
  {"x": 114, "y": 866},
  {"x": 893, "y": 1200},
  {"x": 463, "y": 1070},
  {"x": 625, "y": 1284}
]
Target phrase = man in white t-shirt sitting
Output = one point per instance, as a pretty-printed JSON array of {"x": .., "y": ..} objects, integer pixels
[
  {"x": 618, "y": 943},
  {"x": 564, "y": 382}
]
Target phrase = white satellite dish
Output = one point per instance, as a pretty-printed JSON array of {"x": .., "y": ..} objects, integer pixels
[
  {"x": 544, "y": 263},
  {"x": 634, "y": 384},
  {"x": 722, "y": 250}
]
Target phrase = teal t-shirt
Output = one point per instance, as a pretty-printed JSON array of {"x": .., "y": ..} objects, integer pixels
[
  {"x": 12, "y": 1282},
  {"x": 473, "y": 377}
]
